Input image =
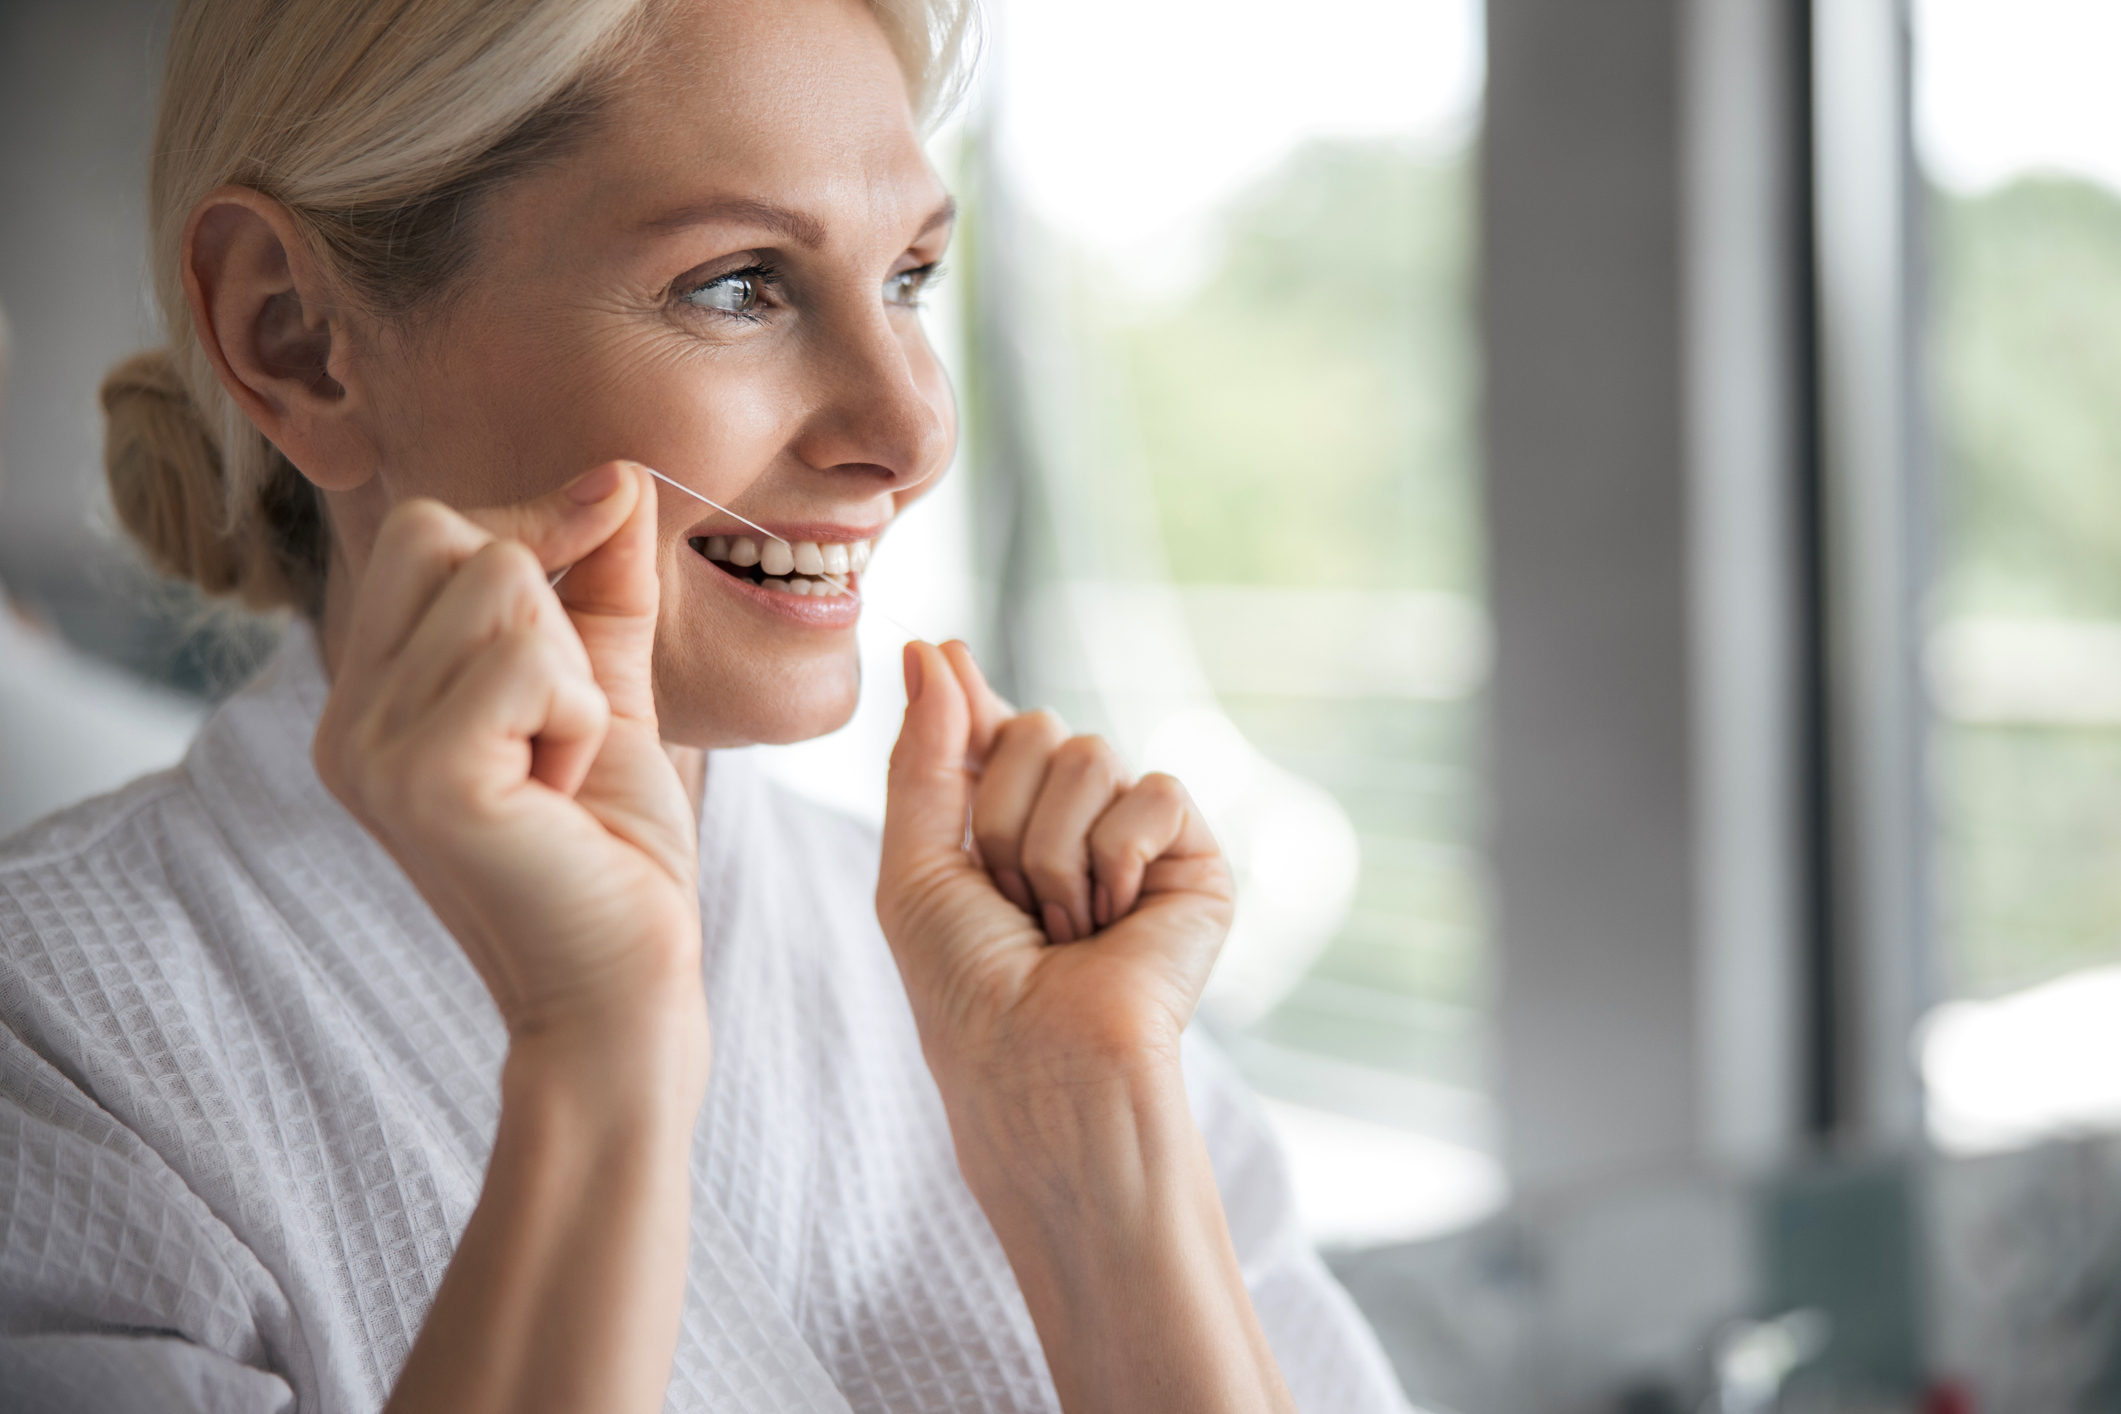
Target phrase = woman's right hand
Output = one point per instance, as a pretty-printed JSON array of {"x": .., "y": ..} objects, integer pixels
[{"x": 499, "y": 738}]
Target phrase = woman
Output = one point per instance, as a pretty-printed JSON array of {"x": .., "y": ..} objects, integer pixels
[{"x": 516, "y": 1054}]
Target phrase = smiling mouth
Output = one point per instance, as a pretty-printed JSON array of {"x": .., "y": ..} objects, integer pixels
[{"x": 800, "y": 568}]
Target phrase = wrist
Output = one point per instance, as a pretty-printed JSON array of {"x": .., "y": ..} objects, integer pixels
[
  {"x": 1104, "y": 1200},
  {"x": 628, "y": 1065},
  {"x": 1041, "y": 1147}
]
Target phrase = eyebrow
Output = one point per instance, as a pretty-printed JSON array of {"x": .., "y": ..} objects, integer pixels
[
  {"x": 942, "y": 216},
  {"x": 798, "y": 226}
]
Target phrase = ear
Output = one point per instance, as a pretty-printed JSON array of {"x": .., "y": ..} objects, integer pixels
[{"x": 268, "y": 317}]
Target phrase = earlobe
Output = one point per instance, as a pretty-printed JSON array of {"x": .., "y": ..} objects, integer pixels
[{"x": 265, "y": 313}]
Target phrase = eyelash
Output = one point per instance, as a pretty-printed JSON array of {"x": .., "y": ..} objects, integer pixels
[
  {"x": 767, "y": 276},
  {"x": 926, "y": 277}
]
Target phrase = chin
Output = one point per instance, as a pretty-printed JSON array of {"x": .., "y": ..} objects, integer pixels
[{"x": 715, "y": 706}]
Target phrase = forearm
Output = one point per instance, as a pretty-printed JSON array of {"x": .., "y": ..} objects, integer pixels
[
  {"x": 565, "y": 1291},
  {"x": 1106, "y": 1204}
]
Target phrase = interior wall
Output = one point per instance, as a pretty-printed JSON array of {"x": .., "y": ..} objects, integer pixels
[
  {"x": 77, "y": 90},
  {"x": 1635, "y": 241},
  {"x": 1590, "y": 730}
]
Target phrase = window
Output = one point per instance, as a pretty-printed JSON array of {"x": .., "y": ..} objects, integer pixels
[
  {"x": 1223, "y": 376},
  {"x": 2017, "y": 113}
]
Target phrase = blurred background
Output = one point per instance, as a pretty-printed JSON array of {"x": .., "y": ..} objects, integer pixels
[{"x": 1614, "y": 509}]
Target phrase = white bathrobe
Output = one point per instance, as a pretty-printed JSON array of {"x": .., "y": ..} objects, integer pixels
[{"x": 249, "y": 1085}]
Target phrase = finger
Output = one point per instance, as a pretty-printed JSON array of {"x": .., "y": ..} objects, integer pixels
[
  {"x": 497, "y": 590},
  {"x": 989, "y": 711},
  {"x": 480, "y": 740},
  {"x": 1153, "y": 820},
  {"x": 525, "y": 685},
  {"x": 614, "y": 575},
  {"x": 420, "y": 544},
  {"x": 565, "y": 524},
  {"x": 1009, "y": 784},
  {"x": 930, "y": 790},
  {"x": 612, "y": 595},
  {"x": 1083, "y": 778}
]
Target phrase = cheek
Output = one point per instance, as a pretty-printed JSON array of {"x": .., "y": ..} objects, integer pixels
[
  {"x": 496, "y": 414},
  {"x": 715, "y": 426},
  {"x": 489, "y": 416}
]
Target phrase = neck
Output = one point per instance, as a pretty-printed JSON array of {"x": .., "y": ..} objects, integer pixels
[{"x": 337, "y": 618}]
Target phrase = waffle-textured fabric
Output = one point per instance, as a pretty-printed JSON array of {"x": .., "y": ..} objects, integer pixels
[{"x": 249, "y": 1086}]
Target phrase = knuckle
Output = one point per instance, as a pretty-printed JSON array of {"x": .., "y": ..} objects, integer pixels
[
  {"x": 506, "y": 566},
  {"x": 1163, "y": 790},
  {"x": 1054, "y": 869},
  {"x": 1040, "y": 727},
  {"x": 1087, "y": 758},
  {"x": 1108, "y": 851},
  {"x": 420, "y": 522}
]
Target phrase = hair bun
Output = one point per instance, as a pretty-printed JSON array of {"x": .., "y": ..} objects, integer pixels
[{"x": 170, "y": 492}]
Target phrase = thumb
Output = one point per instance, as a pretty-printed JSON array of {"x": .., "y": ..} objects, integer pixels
[
  {"x": 612, "y": 593},
  {"x": 989, "y": 711},
  {"x": 562, "y": 526},
  {"x": 929, "y": 798}
]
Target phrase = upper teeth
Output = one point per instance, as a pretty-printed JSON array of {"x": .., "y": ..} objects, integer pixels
[{"x": 780, "y": 557}]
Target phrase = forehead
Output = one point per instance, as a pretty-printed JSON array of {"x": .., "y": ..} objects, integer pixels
[{"x": 798, "y": 101}]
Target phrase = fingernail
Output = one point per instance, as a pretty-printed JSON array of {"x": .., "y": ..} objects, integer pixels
[
  {"x": 594, "y": 486},
  {"x": 1101, "y": 905},
  {"x": 913, "y": 673},
  {"x": 1058, "y": 928},
  {"x": 1014, "y": 889}
]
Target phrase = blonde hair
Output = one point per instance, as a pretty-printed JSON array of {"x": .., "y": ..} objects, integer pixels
[{"x": 379, "y": 124}]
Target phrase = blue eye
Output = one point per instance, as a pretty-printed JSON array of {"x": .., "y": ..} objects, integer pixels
[
  {"x": 907, "y": 286},
  {"x": 738, "y": 292}
]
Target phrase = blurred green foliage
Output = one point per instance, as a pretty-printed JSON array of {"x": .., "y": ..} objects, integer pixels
[
  {"x": 2028, "y": 365},
  {"x": 2028, "y": 292},
  {"x": 1304, "y": 416},
  {"x": 2031, "y": 820},
  {"x": 2027, "y": 285}
]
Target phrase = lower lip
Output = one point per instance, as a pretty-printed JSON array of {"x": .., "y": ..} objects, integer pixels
[{"x": 809, "y": 610}]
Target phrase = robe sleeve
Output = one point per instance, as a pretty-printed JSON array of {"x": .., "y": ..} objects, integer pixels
[
  {"x": 1326, "y": 1350},
  {"x": 120, "y": 1290},
  {"x": 132, "y": 1374}
]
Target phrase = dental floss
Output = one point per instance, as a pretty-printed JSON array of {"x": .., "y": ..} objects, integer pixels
[
  {"x": 668, "y": 481},
  {"x": 839, "y": 586}
]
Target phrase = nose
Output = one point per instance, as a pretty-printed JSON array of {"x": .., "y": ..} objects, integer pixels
[{"x": 880, "y": 403}]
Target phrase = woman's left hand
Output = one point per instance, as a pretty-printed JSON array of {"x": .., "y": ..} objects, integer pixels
[
  {"x": 1074, "y": 948},
  {"x": 1051, "y": 977}
]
